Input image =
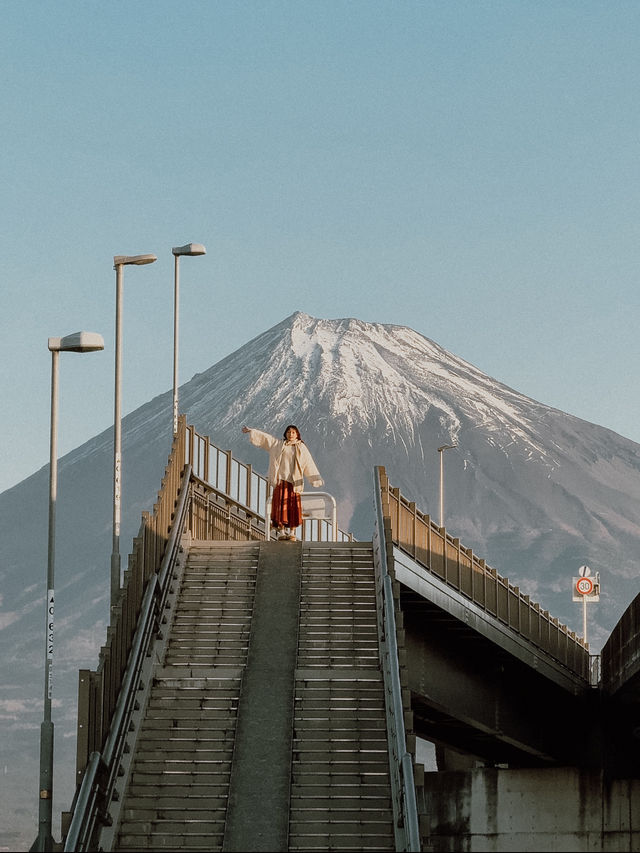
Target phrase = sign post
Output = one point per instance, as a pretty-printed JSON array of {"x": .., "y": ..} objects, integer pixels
[{"x": 585, "y": 588}]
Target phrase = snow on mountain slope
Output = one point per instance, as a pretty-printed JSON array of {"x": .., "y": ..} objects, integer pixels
[{"x": 535, "y": 491}]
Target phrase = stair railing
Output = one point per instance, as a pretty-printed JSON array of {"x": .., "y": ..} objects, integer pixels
[
  {"x": 405, "y": 809},
  {"x": 91, "y": 804}
]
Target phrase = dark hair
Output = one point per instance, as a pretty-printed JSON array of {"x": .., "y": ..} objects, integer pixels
[{"x": 292, "y": 426}]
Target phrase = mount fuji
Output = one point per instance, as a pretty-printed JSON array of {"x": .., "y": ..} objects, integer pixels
[{"x": 534, "y": 491}]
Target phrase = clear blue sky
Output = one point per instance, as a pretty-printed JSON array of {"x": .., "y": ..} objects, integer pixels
[{"x": 469, "y": 169}]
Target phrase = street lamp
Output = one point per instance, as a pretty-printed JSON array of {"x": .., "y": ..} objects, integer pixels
[
  {"x": 441, "y": 452},
  {"x": 119, "y": 261},
  {"x": 77, "y": 342},
  {"x": 190, "y": 249}
]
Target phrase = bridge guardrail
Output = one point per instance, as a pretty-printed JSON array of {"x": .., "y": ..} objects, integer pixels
[
  {"x": 620, "y": 660},
  {"x": 444, "y": 556},
  {"x": 220, "y": 473},
  {"x": 98, "y": 690}
]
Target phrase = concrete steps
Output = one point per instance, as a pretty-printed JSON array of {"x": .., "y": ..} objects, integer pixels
[
  {"x": 340, "y": 788},
  {"x": 265, "y": 728},
  {"x": 177, "y": 795}
]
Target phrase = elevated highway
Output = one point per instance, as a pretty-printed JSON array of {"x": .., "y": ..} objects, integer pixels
[{"x": 261, "y": 695}]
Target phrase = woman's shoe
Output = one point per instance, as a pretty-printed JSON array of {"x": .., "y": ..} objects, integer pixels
[{"x": 292, "y": 537}]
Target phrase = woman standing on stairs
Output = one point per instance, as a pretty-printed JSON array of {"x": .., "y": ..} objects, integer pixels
[{"x": 289, "y": 463}]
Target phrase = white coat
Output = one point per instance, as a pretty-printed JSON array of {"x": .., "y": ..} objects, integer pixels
[{"x": 304, "y": 466}]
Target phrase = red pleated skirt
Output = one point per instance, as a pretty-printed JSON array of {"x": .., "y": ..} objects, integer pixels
[{"x": 286, "y": 507}]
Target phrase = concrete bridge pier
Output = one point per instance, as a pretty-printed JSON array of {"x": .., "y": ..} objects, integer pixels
[{"x": 542, "y": 809}]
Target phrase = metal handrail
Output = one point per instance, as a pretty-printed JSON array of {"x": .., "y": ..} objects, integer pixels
[
  {"x": 84, "y": 803},
  {"x": 330, "y": 519},
  {"x": 401, "y": 763},
  {"x": 87, "y": 805},
  {"x": 199, "y": 451},
  {"x": 334, "y": 512}
]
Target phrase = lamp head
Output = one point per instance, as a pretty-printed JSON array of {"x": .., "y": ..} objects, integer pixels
[
  {"x": 77, "y": 342},
  {"x": 190, "y": 249},
  {"x": 138, "y": 260},
  {"x": 446, "y": 447}
]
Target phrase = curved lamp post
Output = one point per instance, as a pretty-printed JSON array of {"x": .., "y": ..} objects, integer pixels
[
  {"x": 119, "y": 262},
  {"x": 441, "y": 452},
  {"x": 77, "y": 342},
  {"x": 190, "y": 249}
]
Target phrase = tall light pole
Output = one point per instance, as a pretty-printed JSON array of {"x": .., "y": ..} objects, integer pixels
[
  {"x": 77, "y": 342},
  {"x": 441, "y": 452},
  {"x": 190, "y": 249},
  {"x": 119, "y": 262}
]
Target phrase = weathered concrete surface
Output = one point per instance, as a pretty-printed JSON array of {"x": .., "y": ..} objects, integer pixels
[
  {"x": 556, "y": 809},
  {"x": 258, "y": 809}
]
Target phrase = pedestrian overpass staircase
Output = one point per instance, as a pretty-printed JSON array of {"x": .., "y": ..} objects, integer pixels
[
  {"x": 266, "y": 715},
  {"x": 264, "y": 695},
  {"x": 249, "y": 696}
]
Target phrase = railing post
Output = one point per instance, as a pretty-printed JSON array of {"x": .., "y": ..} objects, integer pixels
[
  {"x": 249, "y": 487},
  {"x": 207, "y": 450},
  {"x": 227, "y": 486},
  {"x": 413, "y": 511},
  {"x": 445, "y": 560},
  {"x": 84, "y": 714}
]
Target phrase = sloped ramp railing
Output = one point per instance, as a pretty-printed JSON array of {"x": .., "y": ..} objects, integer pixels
[
  {"x": 442, "y": 554},
  {"x": 620, "y": 656}
]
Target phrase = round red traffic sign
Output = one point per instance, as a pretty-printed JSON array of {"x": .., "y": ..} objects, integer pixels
[{"x": 584, "y": 586}]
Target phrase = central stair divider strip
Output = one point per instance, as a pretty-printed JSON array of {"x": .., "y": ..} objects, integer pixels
[{"x": 259, "y": 790}]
